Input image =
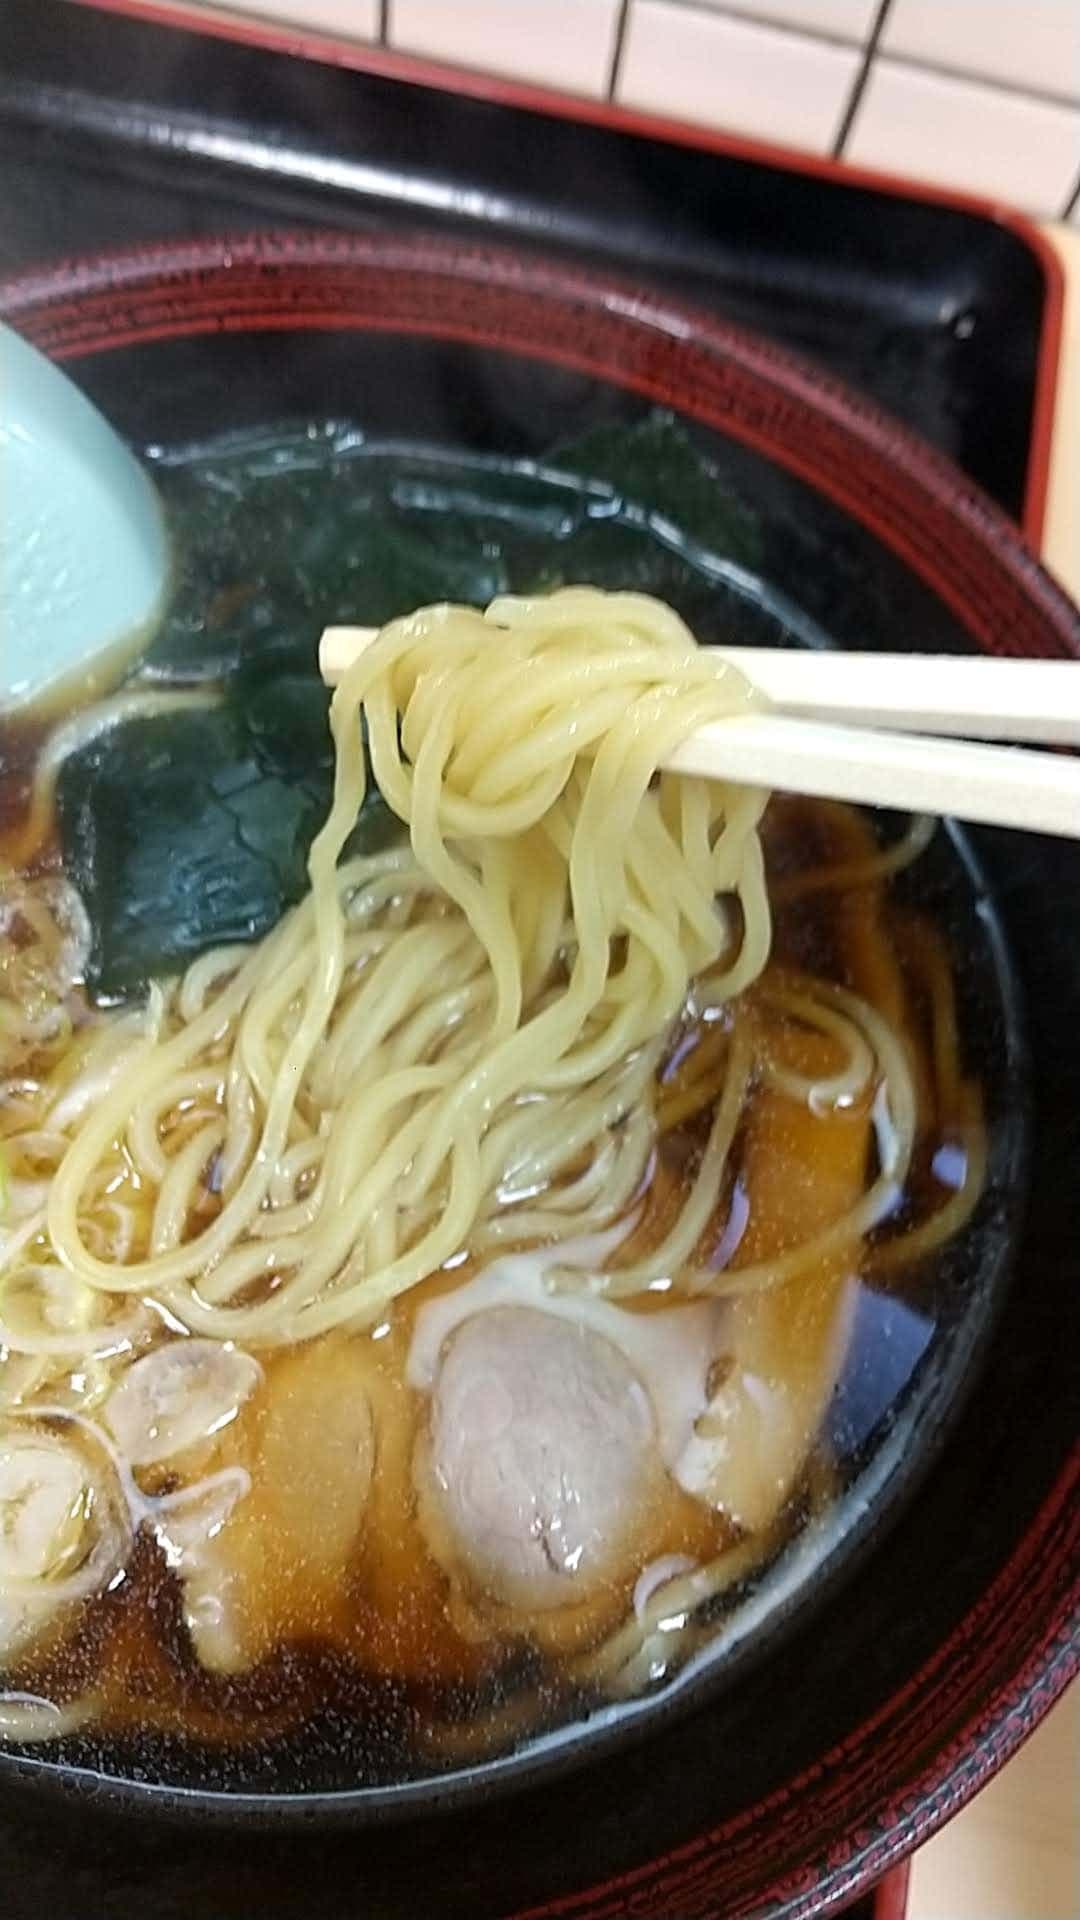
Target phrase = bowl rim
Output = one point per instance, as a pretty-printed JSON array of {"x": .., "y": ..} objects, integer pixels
[
  {"x": 905, "y": 493},
  {"x": 102, "y": 302}
]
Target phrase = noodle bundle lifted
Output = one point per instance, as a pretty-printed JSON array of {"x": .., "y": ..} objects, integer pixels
[
  {"x": 439, "y": 1028},
  {"x": 447, "y": 1291}
]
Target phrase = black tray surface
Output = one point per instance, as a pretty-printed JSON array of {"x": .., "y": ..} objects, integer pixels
[{"x": 115, "y": 131}]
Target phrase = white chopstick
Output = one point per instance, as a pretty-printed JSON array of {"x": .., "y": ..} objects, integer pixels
[
  {"x": 798, "y": 752},
  {"x": 971, "y": 696},
  {"x": 999, "y": 786}
]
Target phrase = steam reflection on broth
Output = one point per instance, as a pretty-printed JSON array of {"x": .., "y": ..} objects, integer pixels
[{"x": 439, "y": 1310}]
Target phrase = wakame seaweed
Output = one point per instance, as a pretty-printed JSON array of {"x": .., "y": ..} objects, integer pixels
[{"x": 189, "y": 830}]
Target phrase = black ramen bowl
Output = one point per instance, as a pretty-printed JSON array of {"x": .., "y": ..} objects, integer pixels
[{"x": 866, "y": 1697}]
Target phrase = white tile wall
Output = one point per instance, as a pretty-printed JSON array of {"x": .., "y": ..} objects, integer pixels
[
  {"x": 785, "y": 71},
  {"x": 1025, "y": 43},
  {"x": 557, "y": 43},
  {"x": 961, "y": 134},
  {"x": 735, "y": 74},
  {"x": 353, "y": 19},
  {"x": 847, "y": 19}
]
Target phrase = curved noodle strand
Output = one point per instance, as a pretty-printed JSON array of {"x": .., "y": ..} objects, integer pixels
[{"x": 437, "y": 1039}]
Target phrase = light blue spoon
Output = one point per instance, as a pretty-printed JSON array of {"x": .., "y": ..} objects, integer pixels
[{"x": 84, "y": 556}]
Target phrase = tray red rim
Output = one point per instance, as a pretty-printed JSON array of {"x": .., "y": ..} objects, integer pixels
[
  {"x": 104, "y": 286},
  {"x": 500, "y": 90}
]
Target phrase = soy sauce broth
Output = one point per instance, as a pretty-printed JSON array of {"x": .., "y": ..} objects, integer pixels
[{"x": 385, "y": 1685}]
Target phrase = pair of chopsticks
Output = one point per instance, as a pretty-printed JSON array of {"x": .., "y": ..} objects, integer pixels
[{"x": 890, "y": 730}]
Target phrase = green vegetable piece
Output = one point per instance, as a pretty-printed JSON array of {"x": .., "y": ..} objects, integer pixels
[
  {"x": 266, "y": 559},
  {"x": 655, "y": 468},
  {"x": 189, "y": 831},
  {"x": 186, "y": 832}
]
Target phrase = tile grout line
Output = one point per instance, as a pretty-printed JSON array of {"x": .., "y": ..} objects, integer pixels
[
  {"x": 861, "y": 78},
  {"x": 770, "y": 22},
  {"x": 915, "y": 63},
  {"x": 619, "y": 42},
  {"x": 1021, "y": 91},
  {"x": 870, "y": 49}
]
